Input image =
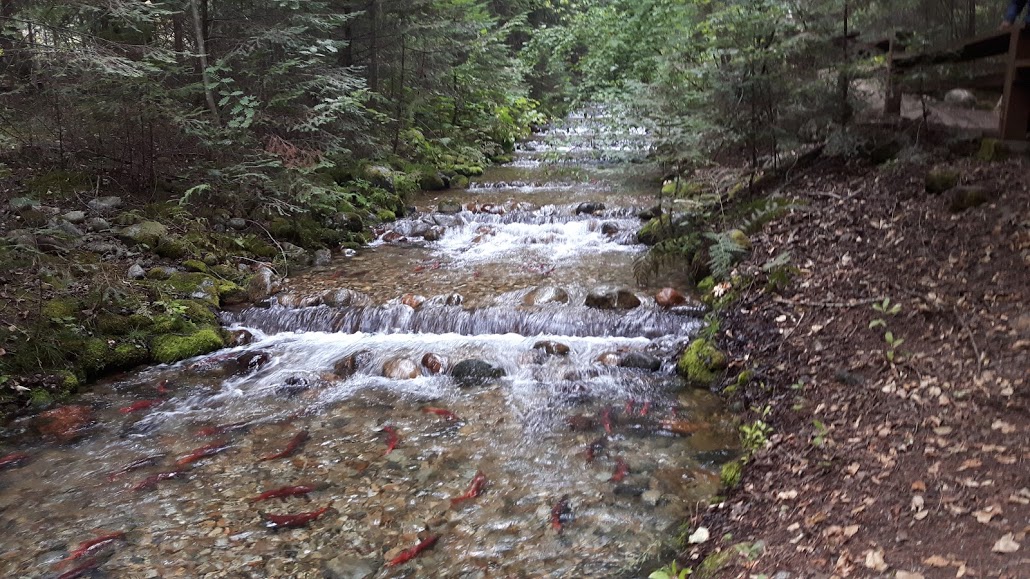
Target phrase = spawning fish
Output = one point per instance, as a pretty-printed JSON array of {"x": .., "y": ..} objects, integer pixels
[
  {"x": 621, "y": 470},
  {"x": 442, "y": 412},
  {"x": 559, "y": 512},
  {"x": 293, "y": 521},
  {"x": 203, "y": 452},
  {"x": 291, "y": 447},
  {"x": 475, "y": 489},
  {"x": 392, "y": 438},
  {"x": 409, "y": 554},
  {"x": 281, "y": 493}
]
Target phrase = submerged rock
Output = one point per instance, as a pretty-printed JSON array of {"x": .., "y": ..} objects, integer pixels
[
  {"x": 343, "y": 298},
  {"x": 65, "y": 423},
  {"x": 589, "y": 208},
  {"x": 262, "y": 285},
  {"x": 474, "y": 372},
  {"x": 400, "y": 369},
  {"x": 641, "y": 361},
  {"x": 668, "y": 297},
  {"x": 546, "y": 295},
  {"x": 434, "y": 363},
  {"x": 346, "y": 567},
  {"x": 552, "y": 348}
]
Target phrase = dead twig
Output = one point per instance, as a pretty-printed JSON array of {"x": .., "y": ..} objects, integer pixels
[
  {"x": 821, "y": 304},
  {"x": 972, "y": 340}
]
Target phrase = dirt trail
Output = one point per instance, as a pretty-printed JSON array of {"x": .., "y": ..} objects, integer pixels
[{"x": 911, "y": 468}]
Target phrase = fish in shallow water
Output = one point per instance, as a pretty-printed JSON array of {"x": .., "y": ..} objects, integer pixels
[
  {"x": 475, "y": 489},
  {"x": 442, "y": 412},
  {"x": 140, "y": 405},
  {"x": 594, "y": 447},
  {"x": 135, "y": 465},
  {"x": 14, "y": 459},
  {"x": 291, "y": 447},
  {"x": 92, "y": 546},
  {"x": 560, "y": 513},
  {"x": 282, "y": 493},
  {"x": 392, "y": 438},
  {"x": 621, "y": 470},
  {"x": 203, "y": 452},
  {"x": 151, "y": 481},
  {"x": 409, "y": 554},
  {"x": 293, "y": 521}
]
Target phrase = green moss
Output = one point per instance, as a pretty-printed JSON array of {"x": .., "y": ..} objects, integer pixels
[
  {"x": 195, "y": 265},
  {"x": 127, "y": 355},
  {"x": 739, "y": 238},
  {"x": 69, "y": 381},
  {"x": 61, "y": 308},
  {"x": 198, "y": 312},
  {"x": 40, "y": 398},
  {"x": 701, "y": 362},
  {"x": 129, "y": 218},
  {"x": 172, "y": 248},
  {"x": 991, "y": 150},
  {"x": 386, "y": 215},
  {"x": 681, "y": 188},
  {"x": 940, "y": 180},
  {"x": 706, "y": 285},
  {"x": 655, "y": 230},
  {"x": 92, "y": 356},
  {"x": 170, "y": 348},
  {"x": 259, "y": 247},
  {"x": 469, "y": 170},
  {"x": 59, "y": 182},
  {"x": 730, "y": 473},
  {"x": 167, "y": 323},
  {"x": 113, "y": 324},
  {"x": 459, "y": 182}
]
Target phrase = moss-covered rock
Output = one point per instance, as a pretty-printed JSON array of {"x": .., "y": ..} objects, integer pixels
[
  {"x": 730, "y": 473},
  {"x": 259, "y": 247},
  {"x": 127, "y": 355},
  {"x": 432, "y": 181},
  {"x": 740, "y": 239},
  {"x": 655, "y": 230},
  {"x": 113, "y": 324},
  {"x": 940, "y": 180},
  {"x": 59, "y": 181},
  {"x": 991, "y": 150},
  {"x": 170, "y": 348},
  {"x": 701, "y": 363},
  {"x": 149, "y": 233},
  {"x": 195, "y": 265},
  {"x": 61, "y": 308},
  {"x": 172, "y": 248},
  {"x": 681, "y": 188},
  {"x": 459, "y": 182},
  {"x": 160, "y": 272}
]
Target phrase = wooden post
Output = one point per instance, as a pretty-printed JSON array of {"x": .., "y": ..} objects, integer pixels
[{"x": 1015, "y": 117}]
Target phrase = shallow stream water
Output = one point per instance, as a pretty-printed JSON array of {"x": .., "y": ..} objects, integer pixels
[{"x": 592, "y": 449}]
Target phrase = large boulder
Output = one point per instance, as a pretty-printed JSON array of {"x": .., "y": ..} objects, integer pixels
[
  {"x": 473, "y": 372},
  {"x": 262, "y": 285},
  {"x": 960, "y": 97},
  {"x": 148, "y": 232}
]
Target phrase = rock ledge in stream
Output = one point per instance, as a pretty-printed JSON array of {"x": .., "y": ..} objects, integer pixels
[
  {"x": 612, "y": 299},
  {"x": 473, "y": 372}
]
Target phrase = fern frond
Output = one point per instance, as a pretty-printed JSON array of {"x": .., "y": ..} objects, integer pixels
[{"x": 723, "y": 254}]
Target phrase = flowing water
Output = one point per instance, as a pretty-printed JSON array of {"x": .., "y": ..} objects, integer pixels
[{"x": 592, "y": 449}]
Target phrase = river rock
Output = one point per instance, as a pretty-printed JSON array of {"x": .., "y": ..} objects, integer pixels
[
  {"x": 69, "y": 228},
  {"x": 668, "y": 297},
  {"x": 552, "y": 348},
  {"x": 296, "y": 254},
  {"x": 546, "y": 295},
  {"x": 106, "y": 248},
  {"x": 250, "y": 362},
  {"x": 608, "y": 359},
  {"x": 474, "y": 372},
  {"x": 433, "y": 233},
  {"x": 323, "y": 257},
  {"x": 19, "y": 204},
  {"x": 105, "y": 205},
  {"x": 960, "y": 97},
  {"x": 609, "y": 228},
  {"x": 347, "y": 567},
  {"x": 393, "y": 237},
  {"x": 589, "y": 208},
  {"x": 651, "y": 497},
  {"x": 75, "y": 217},
  {"x": 434, "y": 363},
  {"x": 136, "y": 271},
  {"x": 612, "y": 299},
  {"x": 147, "y": 232},
  {"x": 343, "y": 298},
  {"x": 413, "y": 301},
  {"x": 262, "y": 285},
  {"x": 640, "y": 361},
  {"x": 238, "y": 223},
  {"x": 97, "y": 224},
  {"x": 65, "y": 423},
  {"x": 449, "y": 207},
  {"x": 400, "y": 369},
  {"x": 240, "y": 338}
]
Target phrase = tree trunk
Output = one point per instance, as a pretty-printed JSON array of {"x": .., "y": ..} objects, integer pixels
[
  {"x": 399, "y": 95},
  {"x": 374, "y": 14},
  {"x": 198, "y": 29},
  {"x": 178, "y": 42},
  {"x": 970, "y": 18}
]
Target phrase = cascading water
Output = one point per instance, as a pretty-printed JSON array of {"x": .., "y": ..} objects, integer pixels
[{"x": 524, "y": 362}]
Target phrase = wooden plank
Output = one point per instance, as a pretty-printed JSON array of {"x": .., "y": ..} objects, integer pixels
[
  {"x": 992, "y": 44},
  {"x": 1015, "y": 117}
]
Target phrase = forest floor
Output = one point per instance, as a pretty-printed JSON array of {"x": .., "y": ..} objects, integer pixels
[{"x": 888, "y": 456}]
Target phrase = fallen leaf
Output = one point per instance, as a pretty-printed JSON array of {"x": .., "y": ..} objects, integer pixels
[
  {"x": 699, "y": 536},
  {"x": 874, "y": 560},
  {"x": 917, "y": 503},
  {"x": 1003, "y": 426},
  {"x": 936, "y": 561},
  {"x": 1006, "y": 544},
  {"x": 985, "y": 515},
  {"x": 908, "y": 575},
  {"x": 919, "y": 486},
  {"x": 850, "y": 530},
  {"x": 787, "y": 495},
  {"x": 921, "y": 515},
  {"x": 943, "y": 430},
  {"x": 968, "y": 464}
]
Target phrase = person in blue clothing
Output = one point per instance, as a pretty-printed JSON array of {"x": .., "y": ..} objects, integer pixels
[{"x": 1015, "y": 7}]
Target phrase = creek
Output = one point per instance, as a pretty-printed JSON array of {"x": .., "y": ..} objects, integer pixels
[{"x": 593, "y": 451}]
